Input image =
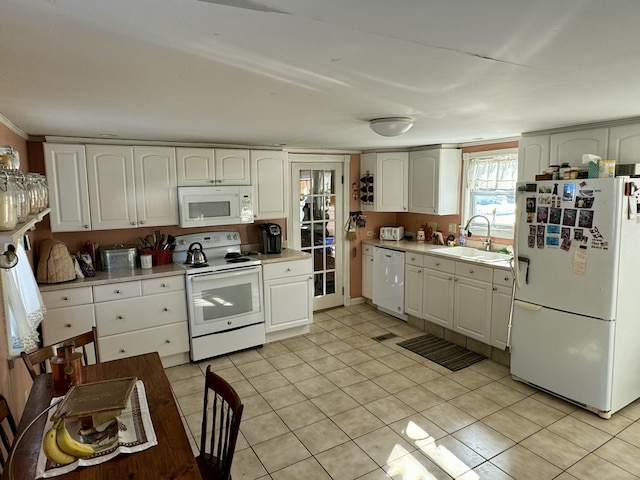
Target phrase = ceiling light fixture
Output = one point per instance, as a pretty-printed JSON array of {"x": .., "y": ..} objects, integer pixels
[{"x": 391, "y": 126}]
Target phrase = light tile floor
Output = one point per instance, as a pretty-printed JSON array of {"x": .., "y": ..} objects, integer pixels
[{"x": 336, "y": 404}]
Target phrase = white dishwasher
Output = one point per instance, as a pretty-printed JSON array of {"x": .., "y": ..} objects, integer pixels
[{"x": 388, "y": 281}]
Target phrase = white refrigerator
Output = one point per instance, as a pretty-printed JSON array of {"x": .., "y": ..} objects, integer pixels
[{"x": 576, "y": 317}]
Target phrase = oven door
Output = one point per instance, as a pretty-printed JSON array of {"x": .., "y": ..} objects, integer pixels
[{"x": 220, "y": 301}]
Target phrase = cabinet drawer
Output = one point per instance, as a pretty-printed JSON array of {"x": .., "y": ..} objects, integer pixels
[
  {"x": 477, "y": 272},
  {"x": 67, "y": 297},
  {"x": 286, "y": 269},
  {"x": 62, "y": 323},
  {"x": 502, "y": 277},
  {"x": 140, "y": 313},
  {"x": 166, "y": 340},
  {"x": 414, "y": 259},
  {"x": 367, "y": 250},
  {"x": 153, "y": 286},
  {"x": 116, "y": 291},
  {"x": 438, "y": 263}
]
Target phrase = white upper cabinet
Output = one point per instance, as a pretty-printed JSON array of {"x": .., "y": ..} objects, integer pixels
[
  {"x": 270, "y": 173},
  {"x": 155, "y": 181},
  {"x": 570, "y": 146},
  {"x": 390, "y": 171},
  {"x": 624, "y": 143},
  {"x": 66, "y": 169},
  {"x": 232, "y": 167},
  {"x": 202, "y": 166},
  {"x": 112, "y": 196},
  {"x": 434, "y": 181},
  {"x": 533, "y": 156}
]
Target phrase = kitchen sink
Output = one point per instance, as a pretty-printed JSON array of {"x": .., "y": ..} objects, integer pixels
[{"x": 469, "y": 253}]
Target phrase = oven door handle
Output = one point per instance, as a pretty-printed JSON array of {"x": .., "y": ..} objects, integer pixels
[{"x": 236, "y": 272}]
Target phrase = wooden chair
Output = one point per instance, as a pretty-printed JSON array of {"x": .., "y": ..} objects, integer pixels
[
  {"x": 44, "y": 354},
  {"x": 225, "y": 409},
  {"x": 7, "y": 431}
]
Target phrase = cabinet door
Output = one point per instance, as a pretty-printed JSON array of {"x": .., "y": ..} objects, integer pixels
[
  {"x": 66, "y": 169},
  {"x": 570, "y": 146},
  {"x": 437, "y": 299},
  {"x": 156, "y": 192},
  {"x": 232, "y": 167},
  {"x": 270, "y": 174},
  {"x": 280, "y": 312},
  {"x": 62, "y": 323},
  {"x": 367, "y": 276},
  {"x": 391, "y": 183},
  {"x": 413, "y": 290},
  {"x": 434, "y": 181},
  {"x": 500, "y": 313},
  {"x": 195, "y": 166},
  {"x": 472, "y": 309},
  {"x": 112, "y": 198},
  {"x": 533, "y": 156},
  {"x": 624, "y": 143}
]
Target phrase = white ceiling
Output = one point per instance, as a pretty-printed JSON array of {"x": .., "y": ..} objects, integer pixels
[{"x": 310, "y": 73}]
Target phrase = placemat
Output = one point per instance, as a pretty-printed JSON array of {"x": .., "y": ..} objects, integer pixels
[{"x": 135, "y": 433}]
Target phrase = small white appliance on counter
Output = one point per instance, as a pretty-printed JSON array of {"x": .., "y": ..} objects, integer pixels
[
  {"x": 388, "y": 281},
  {"x": 391, "y": 233},
  {"x": 575, "y": 317},
  {"x": 224, "y": 294}
]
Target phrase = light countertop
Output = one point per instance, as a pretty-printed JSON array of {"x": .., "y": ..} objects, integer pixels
[{"x": 428, "y": 248}]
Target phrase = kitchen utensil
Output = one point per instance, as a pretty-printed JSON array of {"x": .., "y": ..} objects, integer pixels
[
  {"x": 149, "y": 241},
  {"x": 156, "y": 244},
  {"x": 171, "y": 242},
  {"x": 195, "y": 256}
]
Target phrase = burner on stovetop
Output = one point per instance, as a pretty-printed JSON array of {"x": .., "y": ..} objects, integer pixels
[
  {"x": 238, "y": 260},
  {"x": 232, "y": 255},
  {"x": 202, "y": 265}
]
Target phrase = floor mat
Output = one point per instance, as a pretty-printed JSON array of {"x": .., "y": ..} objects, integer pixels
[{"x": 442, "y": 352}]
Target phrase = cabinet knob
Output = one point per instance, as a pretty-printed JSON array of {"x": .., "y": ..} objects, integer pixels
[
  {"x": 167, "y": 341},
  {"x": 495, "y": 289},
  {"x": 122, "y": 350},
  {"x": 419, "y": 271},
  {"x": 165, "y": 309},
  {"x": 142, "y": 222},
  {"x": 437, "y": 264},
  {"x": 66, "y": 299},
  {"x": 133, "y": 223},
  {"x": 229, "y": 322},
  {"x": 118, "y": 291},
  {"x": 86, "y": 226},
  {"x": 164, "y": 285},
  {"x": 212, "y": 181},
  {"x": 506, "y": 279},
  {"x": 471, "y": 270},
  {"x": 310, "y": 277},
  {"x": 288, "y": 269},
  {"x": 451, "y": 278},
  {"x": 119, "y": 317},
  {"x": 68, "y": 325}
]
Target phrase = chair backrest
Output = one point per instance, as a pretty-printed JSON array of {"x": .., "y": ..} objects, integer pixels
[
  {"x": 224, "y": 407},
  {"x": 7, "y": 431},
  {"x": 44, "y": 354}
]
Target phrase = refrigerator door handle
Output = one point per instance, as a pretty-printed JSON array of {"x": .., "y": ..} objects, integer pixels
[{"x": 527, "y": 306}]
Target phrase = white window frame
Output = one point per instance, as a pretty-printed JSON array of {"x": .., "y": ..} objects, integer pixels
[{"x": 480, "y": 227}]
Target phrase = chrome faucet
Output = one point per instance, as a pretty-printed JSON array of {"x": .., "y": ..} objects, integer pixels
[{"x": 487, "y": 242}]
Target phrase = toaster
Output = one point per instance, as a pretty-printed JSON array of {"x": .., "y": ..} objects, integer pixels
[{"x": 391, "y": 233}]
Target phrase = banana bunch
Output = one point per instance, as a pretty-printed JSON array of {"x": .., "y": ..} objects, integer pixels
[{"x": 60, "y": 447}]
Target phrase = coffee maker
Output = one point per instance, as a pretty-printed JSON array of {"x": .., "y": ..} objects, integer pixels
[{"x": 271, "y": 238}]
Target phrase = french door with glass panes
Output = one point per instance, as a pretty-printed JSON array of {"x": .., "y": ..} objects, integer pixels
[{"x": 318, "y": 208}]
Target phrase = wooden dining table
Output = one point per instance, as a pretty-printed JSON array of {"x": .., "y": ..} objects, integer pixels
[{"x": 172, "y": 458}]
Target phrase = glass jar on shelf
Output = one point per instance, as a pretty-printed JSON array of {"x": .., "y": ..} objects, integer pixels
[
  {"x": 8, "y": 203},
  {"x": 34, "y": 192},
  {"x": 22, "y": 198},
  {"x": 9, "y": 158}
]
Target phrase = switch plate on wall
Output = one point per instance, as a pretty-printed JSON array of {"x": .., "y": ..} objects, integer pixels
[{"x": 452, "y": 228}]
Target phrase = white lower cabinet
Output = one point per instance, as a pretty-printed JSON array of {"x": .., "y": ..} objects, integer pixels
[
  {"x": 69, "y": 313},
  {"x": 438, "y": 294},
  {"x": 288, "y": 294},
  {"x": 367, "y": 271},
  {"x": 472, "y": 304},
  {"x": 142, "y": 316},
  {"x": 413, "y": 284},
  {"x": 501, "y": 308}
]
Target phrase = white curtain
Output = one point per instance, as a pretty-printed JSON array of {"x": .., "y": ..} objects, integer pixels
[{"x": 494, "y": 172}]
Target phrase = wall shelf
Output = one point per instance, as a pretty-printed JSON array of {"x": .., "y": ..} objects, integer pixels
[{"x": 14, "y": 235}]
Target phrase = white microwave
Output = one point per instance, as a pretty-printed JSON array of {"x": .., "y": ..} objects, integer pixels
[{"x": 209, "y": 206}]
